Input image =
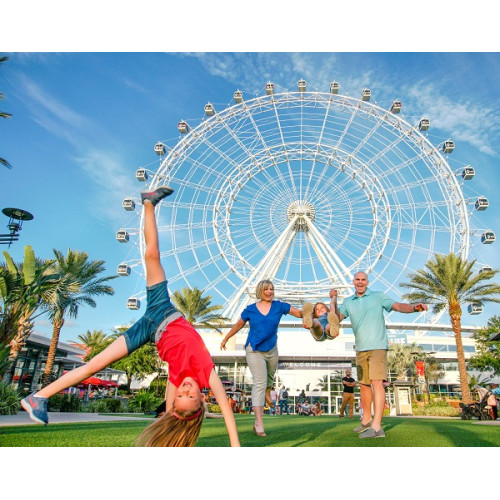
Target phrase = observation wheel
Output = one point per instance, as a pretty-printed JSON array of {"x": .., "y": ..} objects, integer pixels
[{"x": 303, "y": 188}]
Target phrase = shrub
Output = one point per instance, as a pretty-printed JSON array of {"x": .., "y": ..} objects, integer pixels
[
  {"x": 107, "y": 405},
  {"x": 144, "y": 401},
  {"x": 158, "y": 387},
  {"x": 436, "y": 411},
  {"x": 9, "y": 400},
  {"x": 64, "y": 403},
  {"x": 214, "y": 408}
]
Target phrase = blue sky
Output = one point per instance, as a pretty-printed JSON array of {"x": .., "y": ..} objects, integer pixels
[{"x": 84, "y": 122}]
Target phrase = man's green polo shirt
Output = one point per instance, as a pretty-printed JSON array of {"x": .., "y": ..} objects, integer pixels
[{"x": 367, "y": 319}]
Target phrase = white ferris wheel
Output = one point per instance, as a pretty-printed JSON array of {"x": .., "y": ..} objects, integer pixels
[{"x": 303, "y": 188}]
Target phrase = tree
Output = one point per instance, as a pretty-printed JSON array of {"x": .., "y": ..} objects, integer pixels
[
  {"x": 487, "y": 356},
  {"x": 433, "y": 370},
  {"x": 82, "y": 284},
  {"x": 91, "y": 341},
  {"x": 197, "y": 309},
  {"x": 477, "y": 381},
  {"x": 24, "y": 287},
  {"x": 140, "y": 363},
  {"x": 3, "y": 114},
  {"x": 401, "y": 359},
  {"x": 447, "y": 282}
]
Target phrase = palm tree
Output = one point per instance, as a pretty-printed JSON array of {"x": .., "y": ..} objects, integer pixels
[
  {"x": 23, "y": 289},
  {"x": 81, "y": 284},
  {"x": 3, "y": 114},
  {"x": 91, "y": 341},
  {"x": 433, "y": 372},
  {"x": 447, "y": 282},
  {"x": 401, "y": 358},
  {"x": 197, "y": 309}
]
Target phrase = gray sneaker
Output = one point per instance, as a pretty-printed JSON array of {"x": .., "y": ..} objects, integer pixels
[
  {"x": 36, "y": 408},
  {"x": 372, "y": 433},
  {"x": 362, "y": 427},
  {"x": 156, "y": 195}
]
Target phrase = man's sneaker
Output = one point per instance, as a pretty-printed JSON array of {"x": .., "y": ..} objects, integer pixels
[
  {"x": 307, "y": 314},
  {"x": 333, "y": 321},
  {"x": 36, "y": 408},
  {"x": 157, "y": 195},
  {"x": 372, "y": 433},
  {"x": 362, "y": 427}
]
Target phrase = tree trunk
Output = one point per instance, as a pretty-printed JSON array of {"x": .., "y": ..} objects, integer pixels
[
  {"x": 24, "y": 329},
  {"x": 462, "y": 369},
  {"x": 48, "y": 376}
]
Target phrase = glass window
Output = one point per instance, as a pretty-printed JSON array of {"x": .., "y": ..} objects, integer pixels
[
  {"x": 440, "y": 347},
  {"x": 426, "y": 347}
]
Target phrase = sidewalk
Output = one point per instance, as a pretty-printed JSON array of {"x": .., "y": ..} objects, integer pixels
[{"x": 22, "y": 418}]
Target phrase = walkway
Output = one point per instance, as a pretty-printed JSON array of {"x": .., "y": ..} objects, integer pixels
[{"x": 22, "y": 418}]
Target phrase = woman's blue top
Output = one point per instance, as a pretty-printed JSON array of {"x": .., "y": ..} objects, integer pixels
[{"x": 263, "y": 334}]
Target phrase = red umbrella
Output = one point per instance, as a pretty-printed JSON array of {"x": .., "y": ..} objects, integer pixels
[
  {"x": 109, "y": 383},
  {"x": 92, "y": 380}
]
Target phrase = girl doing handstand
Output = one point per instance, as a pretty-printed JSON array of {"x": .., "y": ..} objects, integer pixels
[{"x": 190, "y": 365}]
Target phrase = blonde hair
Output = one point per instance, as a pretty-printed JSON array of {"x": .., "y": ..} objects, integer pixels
[
  {"x": 174, "y": 428},
  {"x": 317, "y": 304},
  {"x": 261, "y": 286}
]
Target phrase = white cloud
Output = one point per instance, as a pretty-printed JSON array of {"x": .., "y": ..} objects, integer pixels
[
  {"x": 51, "y": 113},
  {"x": 106, "y": 169},
  {"x": 466, "y": 121},
  {"x": 102, "y": 167}
]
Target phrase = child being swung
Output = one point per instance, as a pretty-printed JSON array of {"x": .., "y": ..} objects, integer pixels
[{"x": 322, "y": 323}]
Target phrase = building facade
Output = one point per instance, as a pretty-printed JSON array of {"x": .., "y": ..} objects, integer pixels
[{"x": 318, "y": 367}]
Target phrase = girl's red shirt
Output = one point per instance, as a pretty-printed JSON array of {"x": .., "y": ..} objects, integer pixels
[{"x": 182, "y": 347}]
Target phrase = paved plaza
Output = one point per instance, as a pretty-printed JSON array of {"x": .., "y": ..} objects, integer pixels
[{"x": 22, "y": 418}]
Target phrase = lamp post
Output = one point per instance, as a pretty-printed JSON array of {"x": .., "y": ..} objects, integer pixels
[{"x": 16, "y": 217}]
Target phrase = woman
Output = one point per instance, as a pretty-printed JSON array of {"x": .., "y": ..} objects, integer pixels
[{"x": 261, "y": 345}]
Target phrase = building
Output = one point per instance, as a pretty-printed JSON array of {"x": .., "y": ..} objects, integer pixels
[
  {"x": 30, "y": 364},
  {"x": 318, "y": 367}
]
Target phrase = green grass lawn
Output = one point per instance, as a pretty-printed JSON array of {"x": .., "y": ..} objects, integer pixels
[{"x": 283, "y": 431}]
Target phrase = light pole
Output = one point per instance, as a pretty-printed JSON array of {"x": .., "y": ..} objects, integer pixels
[{"x": 16, "y": 217}]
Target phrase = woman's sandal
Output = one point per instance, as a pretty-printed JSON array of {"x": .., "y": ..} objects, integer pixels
[{"x": 259, "y": 433}]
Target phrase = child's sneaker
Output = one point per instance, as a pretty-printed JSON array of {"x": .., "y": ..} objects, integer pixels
[
  {"x": 36, "y": 408},
  {"x": 333, "y": 321},
  {"x": 156, "y": 195},
  {"x": 307, "y": 314}
]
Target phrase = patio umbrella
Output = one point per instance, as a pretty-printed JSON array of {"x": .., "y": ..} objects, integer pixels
[
  {"x": 92, "y": 380},
  {"x": 109, "y": 383}
]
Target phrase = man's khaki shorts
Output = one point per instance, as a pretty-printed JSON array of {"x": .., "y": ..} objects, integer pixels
[{"x": 371, "y": 365}]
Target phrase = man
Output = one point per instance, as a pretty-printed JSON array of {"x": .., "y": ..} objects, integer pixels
[
  {"x": 306, "y": 408},
  {"x": 347, "y": 394},
  {"x": 284, "y": 400},
  {"x": 366, "y": 310}
]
